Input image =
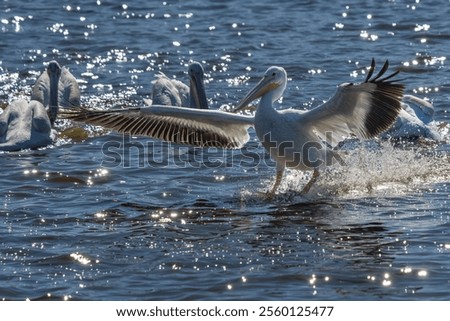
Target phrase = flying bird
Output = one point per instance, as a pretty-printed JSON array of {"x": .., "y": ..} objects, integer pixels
[{"x": 296, "y": 139}]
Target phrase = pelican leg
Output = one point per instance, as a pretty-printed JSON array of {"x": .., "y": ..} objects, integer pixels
[
  {"x": 277, "y": 183},
  {"x": 313, "y": 179}
]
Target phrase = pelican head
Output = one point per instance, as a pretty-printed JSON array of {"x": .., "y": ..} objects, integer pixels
[
  {"x": 54, "y": 74},
  {"x": 197, "y": 88},
  {"x": 273, "y": 83}
]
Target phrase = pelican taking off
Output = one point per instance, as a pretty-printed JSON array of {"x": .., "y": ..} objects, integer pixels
[
  {"x": 172, "y": 92},
  {"x": 294, "y": 138},
  {"x": 56, "y": 87}
]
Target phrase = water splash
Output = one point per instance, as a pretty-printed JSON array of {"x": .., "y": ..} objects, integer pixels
[{"x": 374, "y": 169}]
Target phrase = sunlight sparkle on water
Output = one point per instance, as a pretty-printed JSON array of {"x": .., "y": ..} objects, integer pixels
[
  {"x": 28, "y": 172},
  {"x": 100, "y": 215},
  {"x": 365, "y": 34},
  {"x": 338, "y": 25},
  {"x": 424, "y": 27},
  {"x": 422, "y": 273},
  {"x": 80, "y": 258},
  {"x": 406, "y": 270}
]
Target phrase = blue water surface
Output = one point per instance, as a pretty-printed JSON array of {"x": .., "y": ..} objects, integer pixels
[{"x": 158, "y": 221}]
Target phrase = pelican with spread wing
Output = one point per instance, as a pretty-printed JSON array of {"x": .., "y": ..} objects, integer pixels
[{"x": 295, "y": 139}]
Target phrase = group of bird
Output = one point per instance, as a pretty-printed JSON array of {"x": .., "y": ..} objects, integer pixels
[{"x": 299, "y": 139}]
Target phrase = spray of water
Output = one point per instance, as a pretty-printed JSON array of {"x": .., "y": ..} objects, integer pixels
[{"x": 376, "y": 169}]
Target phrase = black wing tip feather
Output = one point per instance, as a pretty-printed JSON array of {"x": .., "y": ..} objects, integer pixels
[
  {"x": 378, "y": 78},
  {"x": 386, "y": 100}
]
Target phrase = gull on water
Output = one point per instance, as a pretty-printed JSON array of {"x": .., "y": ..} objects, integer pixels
[
  {"x": 296, "y": 139},
  {"x": 172, "y": 92},
  {"x": 26, "y": 124}
]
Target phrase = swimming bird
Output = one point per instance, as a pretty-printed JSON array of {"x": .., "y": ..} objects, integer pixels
[
  {"x": 414, "y": 121},
  {"x": 25, "y": 125},
  {"x": 56, "y": 87},
  {"x": 172, "y": 92},
  {"x": 294, "y": 138}
]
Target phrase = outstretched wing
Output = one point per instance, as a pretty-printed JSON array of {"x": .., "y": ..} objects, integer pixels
[
  {"x": 175, "y": 124},
  {"x": 365, "y": 109}
]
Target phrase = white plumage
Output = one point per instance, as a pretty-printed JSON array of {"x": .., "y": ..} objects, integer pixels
[
  {"x": 56, "y": 87},
  {"x": 26, "y": 124},
  {"x": 172, "y": 92}
]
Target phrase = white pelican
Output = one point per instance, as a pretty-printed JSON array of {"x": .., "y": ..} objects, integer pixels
[
  {"x": 27, "y": 124},
  {"x": 56, "y": 87},
  {"x": 24, "y": 125},
  {"x": 414, "y": 121},
  {"x": 294, "y": 138},
  {"x": 172, "y": 92}
]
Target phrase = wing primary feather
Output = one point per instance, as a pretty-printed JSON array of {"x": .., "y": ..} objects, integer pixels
[
  {"x": 381, "y": 72},
  {"x": 384, "y": 108},
  {"x": 385, "y": 101},
  {"x": 395, "y": 73},
  {"x": 371, "y": 69},
  {"x": 365, "y": 109}
]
